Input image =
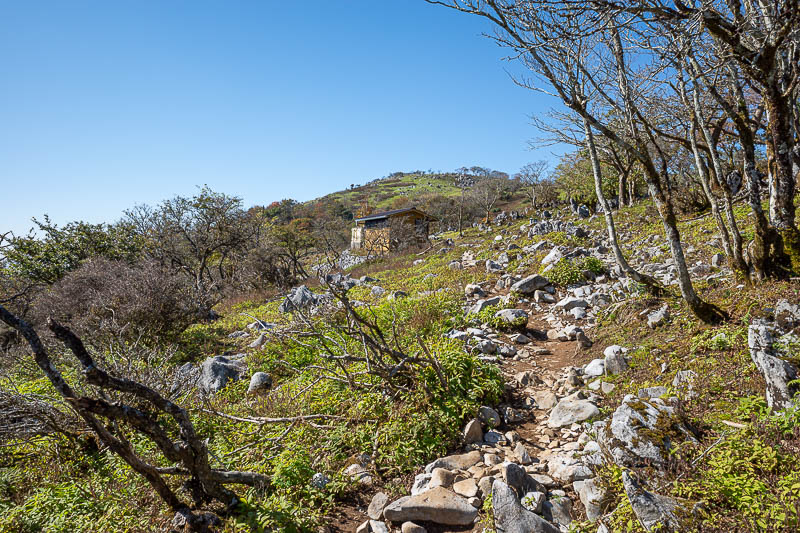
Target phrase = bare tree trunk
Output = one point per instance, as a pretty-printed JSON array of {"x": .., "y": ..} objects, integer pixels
[
  {"x": 703, "y": 310},
  {"x": 734, "y": 248},
  {"x": 702, "y": 171},
  {"x": 652, "y": 285},
  {"x": 622, "y": 189},
  {"x": 461, "y": 214},
  {"x": 780, "y": 151}
]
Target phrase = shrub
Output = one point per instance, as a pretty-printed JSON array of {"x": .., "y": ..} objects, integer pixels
[
  {"x": 565, "y": 273},
  {"x": 105, "y": 298},
  {"x": 592, "y": 264}
]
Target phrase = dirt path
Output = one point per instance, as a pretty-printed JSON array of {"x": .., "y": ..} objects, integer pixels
[{"x": 545, "y": 361}]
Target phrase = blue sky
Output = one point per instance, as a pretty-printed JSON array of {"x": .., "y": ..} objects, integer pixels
[{"x": 104, "y": 105}]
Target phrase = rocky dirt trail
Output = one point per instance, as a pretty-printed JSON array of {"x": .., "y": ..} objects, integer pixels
[
  {"x": 532, "y": 460},
  {"x": 516, "y": 444}
]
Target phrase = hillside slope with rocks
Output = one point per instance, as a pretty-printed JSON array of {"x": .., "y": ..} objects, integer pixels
[
  {"x": 510, "y": 380},
  {"x": 595, "y": 435}
]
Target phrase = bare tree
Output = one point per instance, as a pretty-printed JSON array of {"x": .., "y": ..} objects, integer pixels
[
  {"x": 553, "y": 39},
  {"x": 196, "y": 236},
  {"x": 531, "y": 176},
  {"x": 761, "y": 38},
  {"x": 143, "y": 410},
  {"x": 486, "y": 192}
]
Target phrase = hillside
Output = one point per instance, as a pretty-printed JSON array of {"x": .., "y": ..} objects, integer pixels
[
  {"x": 385, "y": 193},
  {"x": 525, "y": 402}
]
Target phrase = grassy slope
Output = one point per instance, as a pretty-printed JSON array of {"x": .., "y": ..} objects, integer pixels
[
  {"x": 381, "y": 194},
  {"x": 745, "y": 474}
]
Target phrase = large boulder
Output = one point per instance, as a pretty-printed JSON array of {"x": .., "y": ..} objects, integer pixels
[
  {"x": 571, "y": 410},
  {"x": 297, "y": 299},
  {"x": 437, "y": 505},
  {"x": 777, "y": 372},
  {"x": 216, "y": 372},
  {"x": 511, "y": 517},
  {"x": 530, "y": 284},
  {"x": 642, "y": 432}
]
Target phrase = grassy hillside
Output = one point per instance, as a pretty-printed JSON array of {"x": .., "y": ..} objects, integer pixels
[
  {"x": 742, "y": 465},
  {"x": 387, "y": 193}
]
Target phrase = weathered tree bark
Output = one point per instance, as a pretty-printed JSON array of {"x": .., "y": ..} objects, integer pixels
[
  {"x": 734, "y": 244},
  {"x": 622, "y": 189},
  {"x": 653, "y": 286}
]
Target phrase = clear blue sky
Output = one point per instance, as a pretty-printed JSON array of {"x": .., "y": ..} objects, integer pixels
[{"x": 104, "y": 105}]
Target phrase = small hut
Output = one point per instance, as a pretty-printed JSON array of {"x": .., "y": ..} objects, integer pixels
[{"x": 389, "y": 230}]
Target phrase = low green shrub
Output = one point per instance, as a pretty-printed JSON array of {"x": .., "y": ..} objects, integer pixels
[{"x": 564, "y": 273}]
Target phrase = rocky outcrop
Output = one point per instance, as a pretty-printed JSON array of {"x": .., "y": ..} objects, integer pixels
[
  {"x": 641, "y": 432},
  {"x": 549, "y": 226},
  {"x": 777, "y": 371},
  {"x": 298, "y": 298}
]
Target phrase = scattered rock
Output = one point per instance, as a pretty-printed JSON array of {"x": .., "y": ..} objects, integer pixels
[
  {"x": 595, "y": 368},
  {"x": 615, "y": 362},
  {"x": 259, "y": 342},
  {"x": 511, "y": 517},
  {"x": 376, "y": 526},
  {"x": 514, "y": 317},
  {"x": 466, "y": 488},
  {"x": 570, "y": 411},
  {"x": 545, "y": 399},
  {"x": 455, "y": 462},
  {"x": 658, "y": 318},
  {"x": 533, "y": 501},
  {"x": 437, "y": 505},
  {"x": 530, "y": 284},
  {"x": 684, "y": 383},
  {"x": 571, "y": 302},
  {"x": 520, "y": 338},
  {"x": 259, "y": 382},
  {"x": 488, "y": 416},
  {"x": 493, "y": 266},
  {"x": 473, "y": 432},
  {"x": 319, "y": 481},
  {"x": 411, "y": 527},
  {"x": 376, "y": 506}
]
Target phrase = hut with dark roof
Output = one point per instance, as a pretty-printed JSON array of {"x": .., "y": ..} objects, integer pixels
[{"x": 389, "y": 230}]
